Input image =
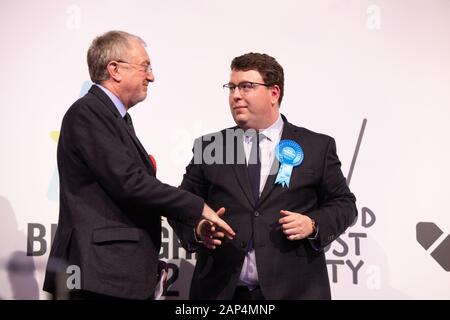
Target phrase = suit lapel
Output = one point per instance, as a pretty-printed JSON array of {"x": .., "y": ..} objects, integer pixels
[
  {"x": 111, "y": 107},
  {"x": 289, "y": 132},
  {"x": 144, "y": 155}
]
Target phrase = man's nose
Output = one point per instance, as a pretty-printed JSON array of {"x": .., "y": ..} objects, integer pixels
[
  {"x": 236, "y": 93},
  {"x": 150, "y": 76}
]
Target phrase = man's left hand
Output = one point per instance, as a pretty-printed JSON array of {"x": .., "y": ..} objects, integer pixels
[{"x": 296, "y": 226}]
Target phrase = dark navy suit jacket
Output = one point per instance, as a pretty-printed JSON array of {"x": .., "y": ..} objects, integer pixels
[
  {"x": 111, "y": 203},
  {"x": 286, "y": 269}
]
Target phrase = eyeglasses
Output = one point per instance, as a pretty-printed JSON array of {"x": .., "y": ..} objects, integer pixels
[
  {"x": 244, "y": 87},
  {"x": 147, "y": 67}
]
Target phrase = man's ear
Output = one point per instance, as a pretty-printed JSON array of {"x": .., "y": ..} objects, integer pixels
[
  {"x": 113, "y": 70},
  {"x": 275, "y": 94}
]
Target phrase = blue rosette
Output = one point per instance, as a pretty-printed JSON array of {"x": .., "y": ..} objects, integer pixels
[{"x": 290, "y": 154}]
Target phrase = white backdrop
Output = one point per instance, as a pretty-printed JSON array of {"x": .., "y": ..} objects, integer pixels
[{"x": 345, "y": 61}]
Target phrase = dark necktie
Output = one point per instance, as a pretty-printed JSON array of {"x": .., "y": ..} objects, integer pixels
[
  {"x": 129, "y": 122},
  {"x": 254, "y": 167}
]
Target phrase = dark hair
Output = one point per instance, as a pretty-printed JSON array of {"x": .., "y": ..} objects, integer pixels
[{"x": 269, "y": 68}]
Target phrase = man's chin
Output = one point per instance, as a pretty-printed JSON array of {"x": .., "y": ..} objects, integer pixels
[
  {"x": 141, "y": 98},
  {"x": 241, "y": 121}
]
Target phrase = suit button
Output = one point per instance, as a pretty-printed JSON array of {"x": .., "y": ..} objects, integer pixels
[
  {"x": 256, "y": 214},
  {"x": 243, "y": 244}
]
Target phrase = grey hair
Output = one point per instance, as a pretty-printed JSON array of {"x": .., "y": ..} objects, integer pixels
[{"x": 107, "y": 47}]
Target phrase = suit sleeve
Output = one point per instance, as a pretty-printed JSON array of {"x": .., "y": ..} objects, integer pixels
[
  {"x": 98, "y": 142},
  {"x": 337, "y": 209},
  {"x": 194, "y": 182}
]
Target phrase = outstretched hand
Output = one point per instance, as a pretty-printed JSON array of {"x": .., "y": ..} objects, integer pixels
[
  {"x": 215, "y": 221},
  {"x": 209, "y": 233}
]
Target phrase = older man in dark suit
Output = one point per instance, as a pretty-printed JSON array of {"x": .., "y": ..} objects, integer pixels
[{"x": 111, "y": 202}]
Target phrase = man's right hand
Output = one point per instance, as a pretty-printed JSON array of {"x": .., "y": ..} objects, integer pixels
[
  {"x": 216, "y": 222},
  {"x": 209, "y": 233}
]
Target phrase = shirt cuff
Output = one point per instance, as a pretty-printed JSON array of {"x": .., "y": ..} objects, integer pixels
[
  {"x": 196, "y": 238},
  {"x": 313, "y": 239}
]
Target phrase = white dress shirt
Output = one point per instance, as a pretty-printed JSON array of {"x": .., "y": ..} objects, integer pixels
[{"x": 269, "y": 139}]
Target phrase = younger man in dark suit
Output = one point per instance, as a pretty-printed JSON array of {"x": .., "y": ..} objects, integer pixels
[{"x": 283, "y": 190}]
